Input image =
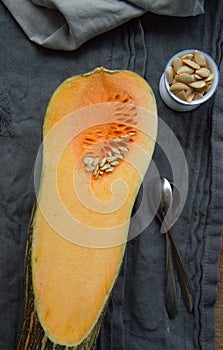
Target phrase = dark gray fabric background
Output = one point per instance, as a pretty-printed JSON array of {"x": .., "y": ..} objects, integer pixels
[{"x": 136, "y": 318}]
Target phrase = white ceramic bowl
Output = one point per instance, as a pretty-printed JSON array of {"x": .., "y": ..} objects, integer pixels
[{"x": 172, "y": 100}]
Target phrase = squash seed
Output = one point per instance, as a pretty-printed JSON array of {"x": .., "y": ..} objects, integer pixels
[
  {"x": 199, "y": 58},
  {"x": 184, "y": 78},
  {"x": 188, "y": 55},
  {"x": 177, "y": 63},
  {"x": 95, "y": 161},
  {"x": 202, "y": 90},
  {"x": 177, "y": 87},
  {"x": 109, "y": 170},
  {"x": 169, "y": 74},
  {"x": 117, "y": 139},
  {"x": 198, "y": 84},
  {"x": 208, "y": 83},
  {"x": 96, "y": 170},
  {"x": 182, "y": 95},
  {"x": 203, "y": 72},
  {"x": 197, "y": 77},
  {"x": 112, "y": 158},
  {"x": 123, "y": 149},
  {"x": 191, "y": 63},
  {"x": 120, "y": 156},
  {"x": 102, "y": 161},
  {"x": 88, "y": 160},
  {"x": 126, "y": 137},
  {"x": 190, "y": 97},
  {"x": 115, "y": 163},
  {"x": 189, "y": 91},
  {"x": 185, "y": 69},
  {"x": 106, "y": 166},
  {"x": 115, "y": 150},
  {"x": 197, "y": 96},
  {"x": 211, "y": 77}
]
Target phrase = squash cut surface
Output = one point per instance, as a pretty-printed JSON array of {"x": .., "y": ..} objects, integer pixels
[{"x": 81, "y": 220}]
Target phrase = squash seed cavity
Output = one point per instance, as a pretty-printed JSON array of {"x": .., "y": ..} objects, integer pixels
[{"x": 97, "y": 166}]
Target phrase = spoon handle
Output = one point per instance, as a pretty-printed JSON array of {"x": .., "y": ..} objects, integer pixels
[
  {"x": 185, "y": 283},
  {"x": 170, "y": 292}
]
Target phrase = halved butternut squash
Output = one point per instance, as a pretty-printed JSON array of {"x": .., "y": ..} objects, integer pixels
[{"x": 99, "y": 136}]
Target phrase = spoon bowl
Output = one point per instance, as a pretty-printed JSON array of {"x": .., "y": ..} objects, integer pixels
[
  {"x": 166, "y": 203},
  {"x": 165, "y": 199}
]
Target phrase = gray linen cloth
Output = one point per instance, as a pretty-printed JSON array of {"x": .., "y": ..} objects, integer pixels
[
  {"x": 136, "y": 318},
  {"x": 67, "y": 24}
]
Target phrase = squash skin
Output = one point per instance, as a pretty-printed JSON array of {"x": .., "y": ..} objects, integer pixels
[{"x": 32, "y": 334}]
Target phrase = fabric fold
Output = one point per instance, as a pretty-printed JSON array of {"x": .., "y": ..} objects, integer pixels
[{"x": 66, "y": 25}]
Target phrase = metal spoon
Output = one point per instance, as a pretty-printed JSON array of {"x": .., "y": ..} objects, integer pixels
[
  {"x": 186, "y": 288},
  {"x": 167, "y": 196},
  {"x": 165, "y": 204}
]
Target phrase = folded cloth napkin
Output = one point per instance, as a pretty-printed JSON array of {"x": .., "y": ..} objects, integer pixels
[{"x": 67, "y": 24}]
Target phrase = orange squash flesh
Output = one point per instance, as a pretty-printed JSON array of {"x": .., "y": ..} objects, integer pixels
[{"x": 77, "y": 253}]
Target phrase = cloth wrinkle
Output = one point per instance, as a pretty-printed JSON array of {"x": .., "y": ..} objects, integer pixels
[
  {"x": 5, "y": 117},
  {"x": 199, "y": 231}
]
